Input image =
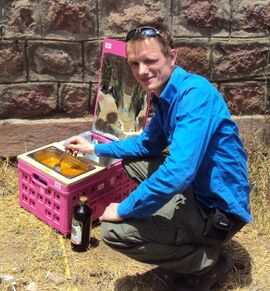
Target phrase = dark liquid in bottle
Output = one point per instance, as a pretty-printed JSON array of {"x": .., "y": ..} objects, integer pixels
[{"x": 81, "y": 226}]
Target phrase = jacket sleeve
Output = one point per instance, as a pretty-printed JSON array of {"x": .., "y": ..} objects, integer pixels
[
  {"x": 150, "y": 142},
  {"x": 190, "y": 138}
]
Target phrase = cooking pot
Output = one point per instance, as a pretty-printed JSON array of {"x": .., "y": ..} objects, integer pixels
[{"x": 70, "y": 165}]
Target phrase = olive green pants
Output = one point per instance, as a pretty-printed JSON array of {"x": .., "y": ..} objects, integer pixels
[{"x": 172, "y": 238}]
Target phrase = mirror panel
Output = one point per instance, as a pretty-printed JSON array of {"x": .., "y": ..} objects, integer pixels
[{"x": 122, "y": 105}]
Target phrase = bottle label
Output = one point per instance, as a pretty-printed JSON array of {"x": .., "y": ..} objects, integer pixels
[{"x": 76, "y": 231}]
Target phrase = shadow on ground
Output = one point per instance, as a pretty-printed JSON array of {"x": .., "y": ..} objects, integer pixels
[{"x": 159, "y": 279}]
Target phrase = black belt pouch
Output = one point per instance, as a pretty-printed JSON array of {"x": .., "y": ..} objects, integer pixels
[{"x": 218, "y": 225}]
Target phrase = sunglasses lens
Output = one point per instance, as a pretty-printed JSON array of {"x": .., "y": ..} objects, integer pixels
[
  {"x": 144, "y": 31},
  {"x": 149, "y": 32}
]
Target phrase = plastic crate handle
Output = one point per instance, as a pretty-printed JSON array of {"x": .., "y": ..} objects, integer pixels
[{"x": 42, "y": 182}]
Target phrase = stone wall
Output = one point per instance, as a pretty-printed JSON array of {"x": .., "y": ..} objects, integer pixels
[{"x": 50, "y": 50}]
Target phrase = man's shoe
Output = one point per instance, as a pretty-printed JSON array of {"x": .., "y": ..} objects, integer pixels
[{"x": 206, "y": 280}]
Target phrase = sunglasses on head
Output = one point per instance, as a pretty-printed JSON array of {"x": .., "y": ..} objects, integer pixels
[{"x": 146, "y": 31}]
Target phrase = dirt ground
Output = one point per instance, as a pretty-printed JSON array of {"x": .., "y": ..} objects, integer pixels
[{"x": 33, "y": 256}]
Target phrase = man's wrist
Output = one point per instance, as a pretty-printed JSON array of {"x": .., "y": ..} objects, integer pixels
[{"x": 121, "y": 211}]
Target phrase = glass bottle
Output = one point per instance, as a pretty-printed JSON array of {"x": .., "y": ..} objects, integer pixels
[{"x": 81, "y": 226}]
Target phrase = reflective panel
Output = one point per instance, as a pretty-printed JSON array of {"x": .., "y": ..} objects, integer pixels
[{"x": 122, "y": 103}]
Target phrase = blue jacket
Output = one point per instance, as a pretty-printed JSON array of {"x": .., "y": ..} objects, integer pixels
[{"x": 205, "y": 151}]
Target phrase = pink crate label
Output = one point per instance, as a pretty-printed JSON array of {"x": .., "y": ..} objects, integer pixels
[
  {"x": 101, "y": 186},
  {"x": 57, "y": 185},
  {"x": 42, "y": 190}
]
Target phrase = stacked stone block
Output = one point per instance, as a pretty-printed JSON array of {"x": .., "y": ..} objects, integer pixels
[{"x": 50, "y": 52}]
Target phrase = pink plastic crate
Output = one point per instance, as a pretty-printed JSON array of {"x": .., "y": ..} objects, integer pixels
[{"x": 53, "y": 202}]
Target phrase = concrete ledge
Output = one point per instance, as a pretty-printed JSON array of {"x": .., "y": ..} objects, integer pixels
[
  {"x": 19, "y": 136},
  {"x": 252, "y": 127}
]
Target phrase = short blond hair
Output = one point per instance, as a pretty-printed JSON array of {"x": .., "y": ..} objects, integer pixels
[{"x": 164, "y": 37}]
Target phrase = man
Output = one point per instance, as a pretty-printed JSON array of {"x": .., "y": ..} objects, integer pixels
[{"x": 191, "y": 201}]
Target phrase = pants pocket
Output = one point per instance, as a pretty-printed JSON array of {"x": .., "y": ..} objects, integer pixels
[{"x": 218, "y": 226}]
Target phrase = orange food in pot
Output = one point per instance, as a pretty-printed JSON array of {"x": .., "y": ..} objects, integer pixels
[
  {"x": 51, "y": 161},
  {"x": 71, "y": 170},
  {"x": 66, "y": 168}
]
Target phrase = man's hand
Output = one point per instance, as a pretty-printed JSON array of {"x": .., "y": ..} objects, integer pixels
[
  {"x": 110, "y": 213},
  {"x": 78, "y": 144}
]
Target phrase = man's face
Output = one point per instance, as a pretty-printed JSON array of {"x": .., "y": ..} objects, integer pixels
[{"x": 149, "y": 65}]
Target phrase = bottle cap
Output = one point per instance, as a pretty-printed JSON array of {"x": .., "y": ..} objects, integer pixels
[{"x": 83, "y": 199}]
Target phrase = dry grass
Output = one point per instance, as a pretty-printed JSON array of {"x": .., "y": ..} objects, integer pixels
[{"x": 32, "y": 252}]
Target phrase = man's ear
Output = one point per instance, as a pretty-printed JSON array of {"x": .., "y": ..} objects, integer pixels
[{"x": 173, "y": 55}]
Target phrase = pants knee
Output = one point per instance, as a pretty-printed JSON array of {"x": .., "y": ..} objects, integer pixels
[
  {"x": 109, "y": 233},
  {"x": 117, "y": 235},
  {"x": 105, "y": 233}
]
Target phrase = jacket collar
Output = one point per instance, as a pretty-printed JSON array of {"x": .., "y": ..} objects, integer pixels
[{"x": 168, "y": 94}]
